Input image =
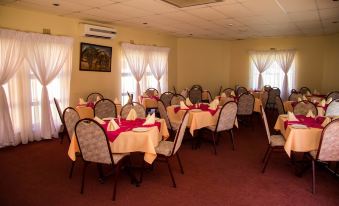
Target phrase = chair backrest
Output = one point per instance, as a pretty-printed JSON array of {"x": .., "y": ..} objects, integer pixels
[
  {"x": 267, "y": 88},
  {"x": 304, "y": 90},
  {"x": 227, "y": 117},
  {"x": 264, "y": 98},
  {"x": 241, "y": 90},
  {"x": 196, "y": 86},
  {"x": 333, "y": 108},
  {"x": 302, "y": 108},
  {"x": 245, "y": 104},
  {"x": 209, "y": 96},
  {"x": 279, "y": 105},
  {"x": 70, "y": 117},
  {"x": 59, "y": 110},
  {"x": 92, "y": 141},
  {"x": 334, "y": 95},
  {"x": 163, "y": 113},
  {"x": 139, "y": 109},
  {"x": 180, "y": 134},
  {"x": 105, "y": 108},
  {"x": 184, "y": 93},
  {"x": 275, "y": 91},
  {"x": 195, "y": 95},
  {"x": 228, "y": 91},
  {"x": 93, "y": 97},
  {"x": 294, "y": 91},
  {"x": 176, "y": 99},
  {"x": 166, "y": 98},
  {"x": 130, "y": 98},
  {"x": 264, "y": 118},
  {"x": 174, "y": 90},
  {"x": 294, "y": 96},
  {"x": 329, "y": 143},
  {"x": 151, "y": 92}
]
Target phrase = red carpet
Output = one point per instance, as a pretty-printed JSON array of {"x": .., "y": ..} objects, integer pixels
[{"x": 37, "y": 174}]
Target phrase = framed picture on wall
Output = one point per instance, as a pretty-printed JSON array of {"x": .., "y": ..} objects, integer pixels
[{"x": 95, "y": 58}]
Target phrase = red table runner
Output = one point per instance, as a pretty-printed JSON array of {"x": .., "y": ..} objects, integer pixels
[{"x": 308, "y": 121}]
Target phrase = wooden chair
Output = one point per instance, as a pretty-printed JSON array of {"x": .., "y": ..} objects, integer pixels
[
  {"x": 105, "y": 108},
  {"x": 93, "y": 97}
]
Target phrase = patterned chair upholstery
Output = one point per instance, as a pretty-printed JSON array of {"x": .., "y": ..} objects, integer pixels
[
  {"x": 304, "y": 90},
  {"x": 245, "y": 104},
  {"x": 271, "y": 97},
  {"x": 197, "y": 86},
  {"x": 94, "y": 147},
  {"x": 275, "y": 142},
  {"x": 264, "y": 98},
  {"x": 334, "y": 95},
  {"x": 240, "y": 91},
  {"x": 139, "y": 109},
  {"x": 176, "y": 99},
  {"x": 209, "y": 97},
  {"x": 267, "y": 88},
  {"x": 226, "y": 119},
  {"x": 166, "y": 98},
  {"x": 93, "y": 97},
  {"x": 105, "y": 108},
  {"x": 173, "y": 126},
  {"x": 151, "y": 92},
  {"x": 195, "y": 95},
  {"x": 279, "y": 105},
  {"x": 294, "y": 96},
  {"x": 70, "y": 118},
  {"x": 328, "y": 148},
  {"x": 333, "y": 108},
  {"x": 228, "y": 91},
  {"x": 302, "y": 108}
]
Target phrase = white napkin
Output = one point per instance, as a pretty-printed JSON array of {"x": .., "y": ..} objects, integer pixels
[
  {"x": 304, "y": 98},
  {"x": 233, "y": 94},
  {"x": 116, "y": 101},
  {"x": 182, "y": 105},
  {"x": 132, "y": 115},
  {"x": 223, "y": 94},
  {"x": 326, "y": 121},
  {"x": 322, "y": 103},
  {"x": 329, "y": 100},
  {"x": 82, "y": 101},
  {"x": 310, "y": 114},
  {"x": 299, "y": 99},
  {"x": 112, "y": 125},
  {"x": 214, "y": 104},
  {"x": 308, "y": 93},
  {"x": 98, "y": 98},
  {"x": 188, "y": 102},
  {"x": 291, "y": 117},
  {"x": 100, "y": 121},
  {"x": 321, "y": 111},
  {"x": 150, "y": 120}
]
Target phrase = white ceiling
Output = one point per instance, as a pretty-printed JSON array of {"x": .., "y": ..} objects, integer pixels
[{"x": 230, "y": 19}]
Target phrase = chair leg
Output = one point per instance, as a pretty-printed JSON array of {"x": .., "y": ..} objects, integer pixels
[
  {"x": 170, "y": 171},
  {"x": 232, "y": 138},
  {"x": 83, "y": 177},
  {"x": 71, "y": 171},
  {"x": 268, "y": 148},
  {"x": 313, "y": 176},
  {"x": 116, "y": 175},
  {"x": 267, "y": 159},
  {"x": 214, "y": 145},
  {"x": 181, "y": 168}
]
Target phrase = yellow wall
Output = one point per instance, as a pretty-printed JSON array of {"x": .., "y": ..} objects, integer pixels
[{"x": 82, "y": 82}]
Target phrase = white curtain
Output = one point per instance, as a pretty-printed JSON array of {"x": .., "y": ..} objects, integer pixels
[
  {"x": 137, "y": 58},
  {"x": 262, "y": 61},
  {"x": 158, "y": 58},
  {"x": 11, "y": 57},
  {"x": 285, "y": 58},
  {"x": 46, "y": 58}
]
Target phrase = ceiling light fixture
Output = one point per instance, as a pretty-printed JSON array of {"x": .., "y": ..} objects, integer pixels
[
  {"x": 230, "y": 24},
  {"x": 188, "y": 3},
  {"x": 145, "y": 23},
  {"x": 56, "y": 4}
]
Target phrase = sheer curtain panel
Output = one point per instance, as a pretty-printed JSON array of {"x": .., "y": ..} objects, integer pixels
[
  {"x": 158, "y": 58},
  {"x": 262, "y": 61},
  {"x": 11, "y": 57},
  {"x": 285, "y": 59}
]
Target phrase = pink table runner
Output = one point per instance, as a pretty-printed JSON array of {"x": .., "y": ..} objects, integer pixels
[
  {"x": 307, "y": 102},
  {"x": 203, "y": 107},
  {"x": 126, "y": 125},
  {"x": 308, "y": 121}
]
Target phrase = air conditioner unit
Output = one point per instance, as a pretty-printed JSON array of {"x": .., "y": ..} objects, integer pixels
[{"x": 98, "y": 31}]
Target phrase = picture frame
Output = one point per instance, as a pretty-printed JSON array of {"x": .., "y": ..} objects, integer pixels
[{"x": 95, "y": 58}]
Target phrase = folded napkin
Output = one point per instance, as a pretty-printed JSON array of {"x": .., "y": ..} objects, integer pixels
[
  {"x": 116, "y": 101},
  {"x": 188, "y": 102},
  {"x": 329, "y": 100},
  {"x": 82, "y": 101},
  {"x": 223, "y": 94},
  {"x": 308, "y": 93},
  {"x": 150, "y": 120},
  {"x": 214, "y": 104},
  {"x": 310, "y": 114},
  {"x": 233, "y": 94},
  {"x": 291, "y": 117},
  {"x": 326, "y": 121},
  {"x": 321, "y": 111},
  {"x": 183, "y": 105},
  {"x": 132, "y": 115},
  {"x": 304, "y": 98},
  {"x": 100, "y": 121},
  {"x": 98, "y": 98},
  {"x": 112, "y": 125},
  {"x": 322, "y": 103},
  {"x": 299, "y": 99}
]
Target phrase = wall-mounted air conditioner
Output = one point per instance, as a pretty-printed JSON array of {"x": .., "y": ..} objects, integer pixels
[{"x": 98, "y": 31}]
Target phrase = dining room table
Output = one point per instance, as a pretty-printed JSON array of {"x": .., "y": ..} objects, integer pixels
[{"x": 132, "y": 136}]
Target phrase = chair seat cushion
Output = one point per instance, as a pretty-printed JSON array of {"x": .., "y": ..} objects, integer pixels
[
  {"x": 277, "y": 140},
  {"x": 117, "y": 156},
  {"x": 165, "y": 148},
  {"x": 175, "y": 125},
  {"x": 314, "y": 154}
]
